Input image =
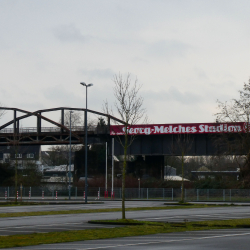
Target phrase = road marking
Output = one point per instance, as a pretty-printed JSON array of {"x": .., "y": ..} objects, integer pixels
[{"x": 166, "y": 241}]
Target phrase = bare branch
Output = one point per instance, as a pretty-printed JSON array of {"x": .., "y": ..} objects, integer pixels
[
  {"x": 2, "y": 112},
  {"x": 128, "y": 105},
  {"x": 236, "y": 110}
]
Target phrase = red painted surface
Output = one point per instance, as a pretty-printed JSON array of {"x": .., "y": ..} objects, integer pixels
[{"x": 185, "y": 128}]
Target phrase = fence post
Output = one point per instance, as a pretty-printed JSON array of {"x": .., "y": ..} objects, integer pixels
[
  {"x": 120, "y": 193},
  {"x": 207, "y": 194},
  {"x": 147, "y": 193},
  {"x": 185, "y": 194},
  {"x": 8, "y": 192},
  {"x": 30, "y": 192},
  {"x": 230, "y": 194},
  {"x": 172, "y": 194},
  {"x": 163, "y": 194},
  {"x": 76, "y": 192},
  {"x": 224, "y": 198},
  {"x": 197, "y": 194}
]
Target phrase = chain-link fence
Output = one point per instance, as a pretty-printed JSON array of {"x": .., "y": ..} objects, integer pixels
[{"x": 168, "y": 194}]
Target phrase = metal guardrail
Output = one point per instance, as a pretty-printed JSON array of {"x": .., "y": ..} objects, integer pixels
[
  {"x": 47, "y": 129},
  {"x": 168, "y": 194}
]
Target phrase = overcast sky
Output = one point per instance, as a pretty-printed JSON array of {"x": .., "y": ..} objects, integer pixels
[{"x": 186, "y": 54}]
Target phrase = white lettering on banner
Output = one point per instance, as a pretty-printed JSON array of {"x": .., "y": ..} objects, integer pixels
[
  {"x": 234, "y": 129},
  {"x": 166, "y": 130},
  {"x": 158, "y": 130},
  {"x": 174, "y": 129},
  {"x": 201, "y": 128},
  {"x": 180, "y": 128},
  {"x": 194, "y": 129},
  {"x": 170, "y": 129},
  {"x": 135, "y": 131},
  {"x": 219, "y": 129}
]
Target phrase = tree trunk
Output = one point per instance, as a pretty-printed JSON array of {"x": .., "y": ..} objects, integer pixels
[
  {"x": 16, "y": 164},
  {"x": 182, "y": 182},
  {"x": 16, "y": 181},
  {"x": 124, "y": 175}
]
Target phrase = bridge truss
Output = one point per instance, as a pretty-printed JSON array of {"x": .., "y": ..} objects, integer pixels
[{"x": 49, "y": 136}]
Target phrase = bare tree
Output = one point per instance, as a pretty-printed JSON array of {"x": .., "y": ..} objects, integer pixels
[
  {"x": 237, "y": 110},
  {"x": 59, "y": 154},
  {"x": 17, "y": 137},
  {"x": 182, "y": 147},
  {"x": 129, "y": 107},
  {"x": 2, "y": 111}
]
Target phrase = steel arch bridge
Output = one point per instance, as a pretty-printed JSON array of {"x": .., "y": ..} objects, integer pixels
[
  {"x": 59, "y": 134},
  {"x": 202, "y": 144}
]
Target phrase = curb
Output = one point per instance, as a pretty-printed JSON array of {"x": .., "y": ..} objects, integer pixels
[{"x": 116, "y": 223}]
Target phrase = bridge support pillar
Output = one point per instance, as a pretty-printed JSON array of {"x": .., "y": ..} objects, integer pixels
[
  {"x": 62, "y": 119},
  {"x": 39, "y": 123},
  {"x": 16, "y": 124},
  {"x": 155, "y": 166}
]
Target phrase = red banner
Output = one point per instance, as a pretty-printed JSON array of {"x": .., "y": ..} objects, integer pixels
[{"x": 186, "y": 128}]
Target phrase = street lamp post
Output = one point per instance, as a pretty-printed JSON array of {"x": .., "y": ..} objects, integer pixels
[
  {"x": 69, "y": 175},
  {"x": 86, "y": 146}
]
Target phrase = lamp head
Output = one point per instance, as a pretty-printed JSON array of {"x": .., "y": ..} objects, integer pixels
[
  {"x": 83, "y": 83},
  {"x": 90, "y": 84}
]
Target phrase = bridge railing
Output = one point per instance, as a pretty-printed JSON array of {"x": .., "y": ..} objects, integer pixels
[{"x": 50, "y": 129}]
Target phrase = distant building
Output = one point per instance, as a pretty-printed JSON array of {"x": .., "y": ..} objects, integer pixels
[
  {"x": 170, "y": 174},
  {"x": 57, "y": 177},
  {"x": 203, "y": 173},
  {"x": 21, "y": 155},
  {"x": 169, "y": 171}
]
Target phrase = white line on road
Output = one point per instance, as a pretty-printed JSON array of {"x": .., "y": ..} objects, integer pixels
[{"x": 165, "y": 241}]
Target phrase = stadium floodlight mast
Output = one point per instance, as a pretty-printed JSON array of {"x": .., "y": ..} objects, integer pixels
[{"x": 86, "y": 141}]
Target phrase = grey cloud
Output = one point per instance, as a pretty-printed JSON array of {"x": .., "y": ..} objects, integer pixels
[
  {"x": 139, "y": 59},
  {"x": 100, "y": 73},
  {"x": 57, "y": 93},
  {"x": 185, "y": 98},
  {"x": 201, "y": 74},
  {"x": 168, "y": 49},
  {"x": 69, "y": 33},
  {"x": 173, "y": 94}
]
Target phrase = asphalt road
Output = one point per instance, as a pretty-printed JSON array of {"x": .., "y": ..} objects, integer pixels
[
  {"x": 100, "y": 205},
  {"x": 211, "y": 239},
  {"x": 50, "y": 223},
  {"x": 196, "y": 240}
]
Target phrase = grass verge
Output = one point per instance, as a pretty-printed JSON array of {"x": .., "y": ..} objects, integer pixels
[
  {"x": 80, "y": 211},
  {"x": 136, "y": 230},
  {"x": 22, "y": 203}
]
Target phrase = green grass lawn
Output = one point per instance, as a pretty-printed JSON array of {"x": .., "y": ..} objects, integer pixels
[{"x": 136, "y": 230}]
